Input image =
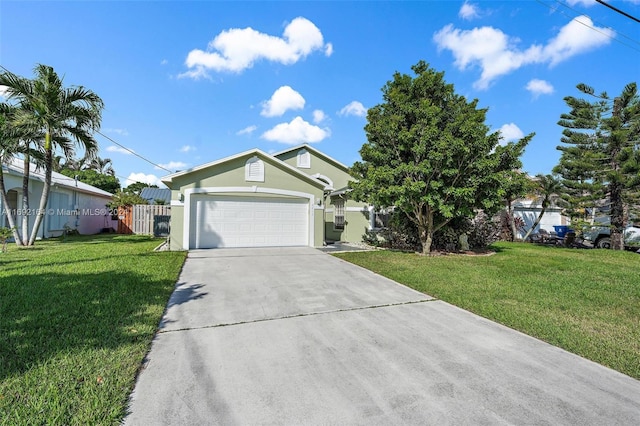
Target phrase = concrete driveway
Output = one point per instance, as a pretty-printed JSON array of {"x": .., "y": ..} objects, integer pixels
[{"x": 295, "y": 336}]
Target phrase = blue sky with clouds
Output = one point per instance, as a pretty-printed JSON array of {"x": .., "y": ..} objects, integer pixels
[{"x": 189, "y": 82}]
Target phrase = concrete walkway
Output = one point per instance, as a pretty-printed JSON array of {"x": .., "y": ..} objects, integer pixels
[{"x": 295, "y": 336}]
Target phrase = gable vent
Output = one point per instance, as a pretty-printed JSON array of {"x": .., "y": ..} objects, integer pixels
[
  {"x": 254, "y": 170},
  {"x": 304, "y": 159}
]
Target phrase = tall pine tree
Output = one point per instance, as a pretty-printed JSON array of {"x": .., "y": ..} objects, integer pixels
[{"x": 600, "y": 161}]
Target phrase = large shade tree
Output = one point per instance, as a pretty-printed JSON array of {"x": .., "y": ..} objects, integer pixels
[
  {"x": 91, "y": 177},
  {"x": 601, "y": 153},
  {"x": 430, "y": 154},
  {"x": 67, "y": 117}
]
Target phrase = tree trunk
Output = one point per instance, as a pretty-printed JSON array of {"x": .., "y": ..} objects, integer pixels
[
  {"x": 48, "y": 158},
  {"x": 511, "y": 219},
  {"x": 617, "y": 216},
  {"x": 536, "y": 223},
  {"x": 615, "y": 188},
  {"x": 7, "y": 211},
  {"x": 425, "y": 228},
  {"x": 25, "y": 199}
]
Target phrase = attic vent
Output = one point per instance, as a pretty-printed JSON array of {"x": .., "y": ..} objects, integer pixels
[
  {"x": 254, "y": 170},
  {"x": 304, "y": 159}
]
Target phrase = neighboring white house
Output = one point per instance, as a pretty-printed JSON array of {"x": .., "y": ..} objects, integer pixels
[
  {"x": 79, "y": 206},
  {"x": 529, "y": 210}
]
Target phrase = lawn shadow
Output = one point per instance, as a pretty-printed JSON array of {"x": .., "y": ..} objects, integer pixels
[
  {"x": 182, "y": 294},
  {"x": 52, "y": 313},
  {"x": 185, "y": 293},
  {"x": 498, "y": 249}
]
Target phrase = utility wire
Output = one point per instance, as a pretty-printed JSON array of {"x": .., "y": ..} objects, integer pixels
[
  {"x": 115, "y": 142},
  {"x": 133, "y": 152},
  {"x": 599, "y": 23},
  {"x": 622, "y": 12},
  {"x": 555, "y": 9}
]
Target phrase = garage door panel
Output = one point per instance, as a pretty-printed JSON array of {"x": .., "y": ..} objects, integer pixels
[{"x": 228, "y": 221}]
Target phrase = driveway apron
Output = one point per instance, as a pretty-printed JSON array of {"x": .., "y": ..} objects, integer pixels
[{"x": 294, "y": 336}]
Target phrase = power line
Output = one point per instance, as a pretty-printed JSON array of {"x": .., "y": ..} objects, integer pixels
[
  {"x": 578, "y": 12},
  {"x": 134, "y": 153},
  {"x": 622, "y": 12},
  {"x": 115, "y": 142},
  {"x": 555, "y": 9}
]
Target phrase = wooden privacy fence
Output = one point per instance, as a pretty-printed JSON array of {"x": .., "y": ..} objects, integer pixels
[
  {"x": 125, "y": 217},
  {"x": 144, "y": 219}
]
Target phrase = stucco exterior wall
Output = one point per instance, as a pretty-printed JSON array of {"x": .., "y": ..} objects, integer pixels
[
  {"x": 229, "y": 178},
  {"x": 319, "y": 165},
  {"x": 552, "y": 216},
  {"x": 89, "y": 218},
  {"x": 177, "y": 227}
]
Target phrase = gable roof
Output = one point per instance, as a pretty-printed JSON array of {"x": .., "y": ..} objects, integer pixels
[
  {"x": 315, "y": 151},
  {"x": 169, "y": 178},
  {"x": 16, "y": 167}
]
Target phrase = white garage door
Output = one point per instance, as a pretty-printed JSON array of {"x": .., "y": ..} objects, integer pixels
[{"x": 228, "y": 221}]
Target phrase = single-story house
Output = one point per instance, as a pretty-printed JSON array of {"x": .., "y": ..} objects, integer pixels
[
  {"x": 296, "y": 197},
  {"x": 72, "y": 203},
  {"x": 529, "y": 210}
]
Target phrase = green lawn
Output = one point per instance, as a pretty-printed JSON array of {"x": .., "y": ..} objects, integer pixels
[
  {"x": 585, "y": 301},
  {"x": 76, "y": 320}
]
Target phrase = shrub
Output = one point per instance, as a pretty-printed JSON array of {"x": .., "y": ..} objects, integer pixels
[{"x": 484, "y": 231}]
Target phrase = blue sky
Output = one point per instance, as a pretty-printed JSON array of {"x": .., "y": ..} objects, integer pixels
[{"x": 189, "y": 82}]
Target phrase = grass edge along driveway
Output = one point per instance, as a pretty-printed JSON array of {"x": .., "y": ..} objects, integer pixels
[
  {"x": 76, "y": 320},
  {"x": 584, "y": 301}
]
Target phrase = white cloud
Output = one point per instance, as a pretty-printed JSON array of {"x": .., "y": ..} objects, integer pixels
[
  {"x": 164, "y": 62},
  {"x": 496, "y": 53},
  {"x": 295, "y": 132},
  {"x": 319, "y": 116},
  {"x": 283, "y": 99},
  {"x": 247, "y": 130},
  {"x": 574, "y": 38},
  {"x": 353, "y": 108},
  {"x": 141, "y": 177},
  {"x": 187, "y": 148},
  {"x": 236, "y": 49},
  {"x": 3, "y": 91},
  {"x": 469, "y": 11},
  {"x": 172, "y": 165},
  {"x": 328, "y": 49},
  {"x": 113, "y": 148},
  {"x": 510, "y": 132},
  {"x": 539, "y": 87}
]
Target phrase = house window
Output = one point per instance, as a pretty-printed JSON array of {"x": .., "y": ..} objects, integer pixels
[
  {"x": 338, "y": 214},
  {"x": 254, "y": 170},
  {"x": 59, "y": 209},
  {"x": 381, "y": 219},
  {"x": 304, "y": 159}
]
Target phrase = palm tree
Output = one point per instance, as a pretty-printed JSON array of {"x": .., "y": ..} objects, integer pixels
[
  {"x": 66, "y": 116},
  {"x": 17, "y": 141},
  {"x": 104, "y": 166},
  {"x": 548, "y": 189},
  {"x": 9, "y": 147}
]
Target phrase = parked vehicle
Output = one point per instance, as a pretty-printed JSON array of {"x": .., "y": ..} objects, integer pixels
[{"x": 600, "y": 236}]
